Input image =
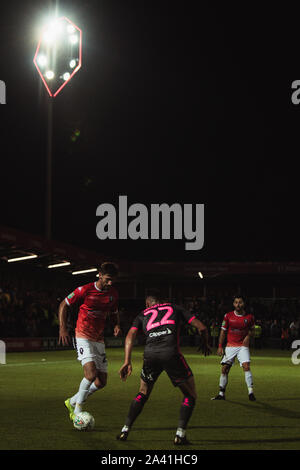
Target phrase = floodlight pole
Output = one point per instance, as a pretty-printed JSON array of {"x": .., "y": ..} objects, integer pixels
[{"x": 48, "y": 211}]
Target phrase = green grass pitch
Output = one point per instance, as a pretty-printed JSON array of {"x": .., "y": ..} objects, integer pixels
[{"x": 33, "y": 387}]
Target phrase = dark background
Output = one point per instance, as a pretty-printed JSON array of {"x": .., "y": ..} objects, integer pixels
[{"x": 174, "y": 103}]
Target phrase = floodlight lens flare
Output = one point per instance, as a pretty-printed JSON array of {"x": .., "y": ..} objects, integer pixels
[
  {"x": 42, "y": 60},
  {"x": 58, "y": 55},
  {"x": 73, "y": 39},
  {"x": 70, "y": 29},
  {"x": 49, "y": 74},
  {"x": 52, "y": 31}
]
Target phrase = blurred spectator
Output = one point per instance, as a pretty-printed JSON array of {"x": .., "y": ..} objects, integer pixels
[
  {"x": 294, "y": 329},
  {"x": 258, "y": 334},
  {"x": 214, "y": 333},
  {"x": 285, "y": 334},
  {"x": 275, "y": 329},
  {"x": 28, "y": 307}
]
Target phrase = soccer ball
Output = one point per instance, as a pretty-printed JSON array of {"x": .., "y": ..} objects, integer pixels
[{"x": 84, "y": 421}]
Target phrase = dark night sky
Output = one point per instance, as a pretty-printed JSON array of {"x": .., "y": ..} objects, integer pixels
[{"x": 173, "y": 104}]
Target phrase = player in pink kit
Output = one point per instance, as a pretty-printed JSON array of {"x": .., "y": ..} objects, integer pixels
[
  {"x": 98, "y": 301},
  {"x": 239, "y": 327}
]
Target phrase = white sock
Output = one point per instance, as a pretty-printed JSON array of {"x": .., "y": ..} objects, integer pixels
[
  {"x": 180, "y": 432},
  {"x": 223, "y": 382},
  {"x": 125, "y": 429},
  {"x": 249, "y": 381},
  {"x": 82, "y": 394},
  {"x": 92, "y": 390}
]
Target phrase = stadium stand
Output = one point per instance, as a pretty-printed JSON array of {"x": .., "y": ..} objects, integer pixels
[{"x": 30, "y": 292}]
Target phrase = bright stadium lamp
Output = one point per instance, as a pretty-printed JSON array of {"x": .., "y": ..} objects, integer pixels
[
  {"x": 59, "y": 265},
  {"x": 70, "y": 29},
  {"x": 21, "y": 258},
  {"x": 49, "y": 74},
  {"x": 42, "y": 60},
  {"x": 84, "y": 271},
  {"x": 66, "y": 76},
  {"x": 54, "y": 47},
  {"x": 73, "y": 39}
]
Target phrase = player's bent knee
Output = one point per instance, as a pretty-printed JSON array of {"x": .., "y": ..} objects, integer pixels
[
  {"x": 90, "y": 376},
  {"x": 145, "y": 390},
  {"x": 90, "y": 372},
  {"x": 226, "y": 369},
  {"x": 246, "y": 366},
  {"x": 101, "y": 381}
]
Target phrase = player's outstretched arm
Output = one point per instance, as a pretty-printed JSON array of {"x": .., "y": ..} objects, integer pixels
[
  {"x": 126, "y": 368},
  {"x": 204, "y": 334},
  {"x": 64, "y": 337}
]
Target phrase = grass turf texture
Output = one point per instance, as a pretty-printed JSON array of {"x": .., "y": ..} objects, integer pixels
[{"x": 33, "y": 416}]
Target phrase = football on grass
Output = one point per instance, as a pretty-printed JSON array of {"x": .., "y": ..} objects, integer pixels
[{"x": 84, "y": 421}]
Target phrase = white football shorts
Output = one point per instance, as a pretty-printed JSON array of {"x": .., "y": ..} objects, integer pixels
[
  {"x": 241, "y": 352},
  {"x": 91, "y": 351}
]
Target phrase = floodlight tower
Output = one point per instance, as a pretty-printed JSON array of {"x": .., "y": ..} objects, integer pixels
[{"x": 58, "y": 58}]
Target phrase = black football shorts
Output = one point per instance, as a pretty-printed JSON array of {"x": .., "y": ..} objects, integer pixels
[{"x": 175, "y": 366}]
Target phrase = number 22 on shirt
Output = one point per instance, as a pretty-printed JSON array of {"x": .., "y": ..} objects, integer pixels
[{"x": 164, "y": 321}]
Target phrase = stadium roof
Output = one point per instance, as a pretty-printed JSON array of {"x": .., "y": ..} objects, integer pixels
[{"x": 15, "y": 243}]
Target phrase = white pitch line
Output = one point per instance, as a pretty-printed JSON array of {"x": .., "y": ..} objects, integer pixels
[{"x": 36, "y": 363}]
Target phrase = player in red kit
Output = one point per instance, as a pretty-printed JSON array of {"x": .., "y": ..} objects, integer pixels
[
  {"x": 97, "y": 302},
  {"x": 239, "y": 327}
]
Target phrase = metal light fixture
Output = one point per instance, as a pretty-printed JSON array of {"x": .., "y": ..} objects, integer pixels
[
  {"x": 58, "y": 265},
  {"x": 85, "y": 271},
  {"x": 21, "y": 258},
  {"x": 59, "y": 46}
]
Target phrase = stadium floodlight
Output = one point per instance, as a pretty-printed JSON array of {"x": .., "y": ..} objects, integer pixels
[
  {"x": 200, "y": 275},
  {"x": 21, "y": 258},
  {"x": 73, "y": 39},
  {"x": 53, "y": 57},
  {"x": 58, "y": 265},
  {"x": 66, "y": 76},
  {"x": 52, "y": 31},
  {"x": 42, "y": 60},
  {"x": 70, "y": 29},
  {"x": 60, "y": 43},
  {"x": 49, "y": 74},
  {"x": 85, "y": 271}
]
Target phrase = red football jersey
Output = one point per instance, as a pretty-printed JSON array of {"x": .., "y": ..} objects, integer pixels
[
  {"x": 237, "y": 327},
  {"x": 94, "y": 308}
]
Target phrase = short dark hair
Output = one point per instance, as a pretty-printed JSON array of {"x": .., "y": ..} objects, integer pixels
[
  {"x": 239, "y": 296},
  {"x": 154, "y": 293},
  {"x": 109, "y": 268}
]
